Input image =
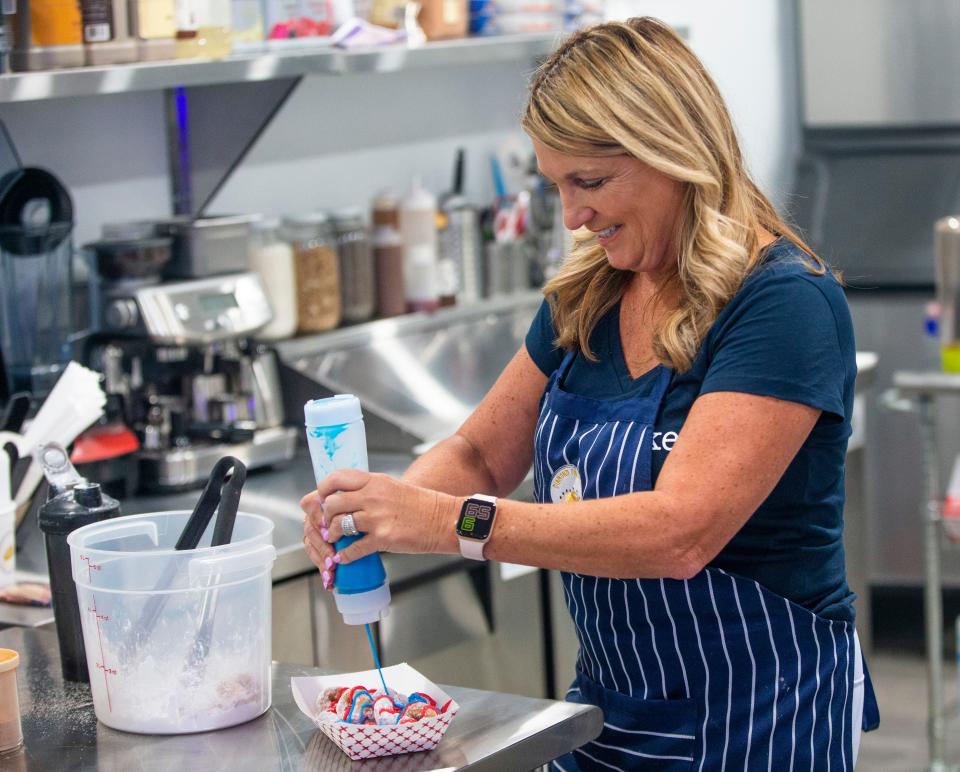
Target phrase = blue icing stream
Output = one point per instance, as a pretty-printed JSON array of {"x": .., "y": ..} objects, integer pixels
[{"x": 328, "y": 435}]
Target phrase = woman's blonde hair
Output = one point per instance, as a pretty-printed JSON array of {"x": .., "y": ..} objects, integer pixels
[{"x": 634, "y": 87}]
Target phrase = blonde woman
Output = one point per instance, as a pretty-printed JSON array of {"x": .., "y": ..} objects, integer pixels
[{"x": 684, "y": 396}]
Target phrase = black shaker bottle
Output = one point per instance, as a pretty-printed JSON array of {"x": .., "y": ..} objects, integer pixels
[{"x": 85, "y": 503}]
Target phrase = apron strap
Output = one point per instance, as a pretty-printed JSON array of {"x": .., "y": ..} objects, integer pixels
[
  {"x": 663, "y": 383},
  {"x": 561, "y": 372},
  {"x": 871, "y": 708}
]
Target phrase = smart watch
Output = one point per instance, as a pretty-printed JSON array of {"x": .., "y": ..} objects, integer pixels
[{"x": 476, "y": 524}]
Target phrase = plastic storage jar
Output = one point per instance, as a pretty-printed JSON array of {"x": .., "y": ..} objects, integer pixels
[
  {"x": 357, "y": 283},
  {"x": 273, "y": 260},
  {"x": 11, "y": 734},
  {"x": 317, "y": 271},
  {"x": 177, "y": 641}
]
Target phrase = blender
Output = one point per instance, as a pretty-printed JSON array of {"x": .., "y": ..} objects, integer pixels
[{"x": 36, "y": 222}]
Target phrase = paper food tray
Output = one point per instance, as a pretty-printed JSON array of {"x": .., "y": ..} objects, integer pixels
[{"x": 363, "y": 741}]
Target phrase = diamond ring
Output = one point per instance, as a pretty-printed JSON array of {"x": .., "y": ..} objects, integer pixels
[{"x": 349, "y": 527}]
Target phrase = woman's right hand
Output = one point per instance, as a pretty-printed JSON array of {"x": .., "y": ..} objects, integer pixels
[{"x": 315, "y": 543}]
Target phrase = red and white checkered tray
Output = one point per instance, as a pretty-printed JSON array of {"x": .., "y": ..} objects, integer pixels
[{"x": 361, "y": 741}]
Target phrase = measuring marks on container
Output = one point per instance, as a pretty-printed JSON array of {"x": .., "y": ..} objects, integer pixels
[{"x": 99, "y": 618}]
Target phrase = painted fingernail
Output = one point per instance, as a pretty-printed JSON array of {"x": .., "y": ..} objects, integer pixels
[
  {"x": 328, "y": 562},
  {"x": 325, "y": 534},
  {"x": 336, "y": 558},
  {"x": 326, "y": 577}
]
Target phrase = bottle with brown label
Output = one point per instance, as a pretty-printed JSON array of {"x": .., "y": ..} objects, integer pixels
[{"x": 106, "y": 32}]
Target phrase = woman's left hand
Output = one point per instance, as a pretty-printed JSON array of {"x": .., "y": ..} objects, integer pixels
[{"x": 393, "y": 516}]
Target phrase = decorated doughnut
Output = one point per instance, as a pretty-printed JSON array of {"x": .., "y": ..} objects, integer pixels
[{"x": 359, "y": 705}]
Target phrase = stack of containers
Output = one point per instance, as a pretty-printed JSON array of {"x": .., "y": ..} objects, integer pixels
[{"x": 510, "y": 17}]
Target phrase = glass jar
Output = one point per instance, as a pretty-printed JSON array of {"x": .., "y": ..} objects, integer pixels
[
  {"x": 317, "y": 271},
  {"x": 273, "y": 260},
  {"x": 358, "y": 291}
]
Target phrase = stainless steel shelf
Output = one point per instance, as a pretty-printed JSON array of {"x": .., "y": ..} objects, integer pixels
[{"x": 268, "y": 65}]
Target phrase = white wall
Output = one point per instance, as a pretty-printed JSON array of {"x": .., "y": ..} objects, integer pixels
[
  {"x": 109, "y": 151},
  {"x": 338, "y": 140},
  {"x": 748, "y": 46}
]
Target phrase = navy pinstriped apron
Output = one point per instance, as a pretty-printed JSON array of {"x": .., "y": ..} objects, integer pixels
[{"x": 709, "y": 673}]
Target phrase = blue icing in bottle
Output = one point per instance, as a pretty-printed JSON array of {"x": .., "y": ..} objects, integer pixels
[{"x": 337, "y": 440}]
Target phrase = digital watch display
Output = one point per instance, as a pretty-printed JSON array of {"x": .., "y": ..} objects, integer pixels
[{"x": 475, "y": 524}]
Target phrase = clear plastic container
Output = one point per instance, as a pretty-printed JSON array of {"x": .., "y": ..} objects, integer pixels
[
  {"x": 11, "y": 733},
  {"x": 273, "y": 259},
  {"x": 317, "y": 271},
  {"x": 357, "y": 285},
  {"x": 176, "y": 641}
]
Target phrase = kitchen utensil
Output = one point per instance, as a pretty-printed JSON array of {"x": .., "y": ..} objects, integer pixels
[
  {"x": 74, "y": 503},
  {"x": 120, "y": 566},
  {"x": 223, "y": 529},
  {"x": 222, "y": 492}
]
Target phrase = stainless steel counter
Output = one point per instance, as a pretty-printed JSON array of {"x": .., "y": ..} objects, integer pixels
[{"x": 491, "y": 732}]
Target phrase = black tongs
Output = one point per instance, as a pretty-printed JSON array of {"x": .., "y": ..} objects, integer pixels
[
  {"x": 222, "y": 495},
  {"x": 222, "y": 492}
]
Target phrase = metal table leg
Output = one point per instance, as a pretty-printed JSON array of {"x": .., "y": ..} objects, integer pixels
[{"x": 933, "y": 596}]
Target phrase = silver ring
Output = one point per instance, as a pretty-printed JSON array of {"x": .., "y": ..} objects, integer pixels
[{"x": 348, "y": 527}]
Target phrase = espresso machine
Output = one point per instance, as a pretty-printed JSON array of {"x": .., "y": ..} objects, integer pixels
[{"x": 178, "y": 357}]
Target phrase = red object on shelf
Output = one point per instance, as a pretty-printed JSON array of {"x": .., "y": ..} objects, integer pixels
[{"x": 104, "y": 442}]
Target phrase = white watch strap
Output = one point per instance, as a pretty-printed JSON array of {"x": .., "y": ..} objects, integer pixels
[{"x": 473, "y": 548}]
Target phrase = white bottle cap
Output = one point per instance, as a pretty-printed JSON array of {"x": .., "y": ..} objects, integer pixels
[
  {"x": 333, "y": 411},
  {"x": 362, "y": 608}
]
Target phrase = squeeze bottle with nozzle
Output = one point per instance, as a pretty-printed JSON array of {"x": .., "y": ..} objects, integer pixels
[{"x": 337, "y": 440}]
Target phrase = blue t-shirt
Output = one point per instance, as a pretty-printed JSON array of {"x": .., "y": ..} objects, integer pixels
[{"x": 787, "y": 333}]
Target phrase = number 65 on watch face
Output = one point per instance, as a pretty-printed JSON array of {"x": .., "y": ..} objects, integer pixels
[{"x": 476, "y": 519}]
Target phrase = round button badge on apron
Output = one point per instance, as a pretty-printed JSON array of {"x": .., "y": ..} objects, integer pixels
[{"x": 705, "y": 673}]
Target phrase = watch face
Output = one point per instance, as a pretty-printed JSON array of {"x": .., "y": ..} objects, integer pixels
[{"x": 476, "y": 519}]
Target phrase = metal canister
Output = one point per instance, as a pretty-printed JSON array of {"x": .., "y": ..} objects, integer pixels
[
  {"x": 358, "y": 292},
  {"x": 947, "y": 252},
  {"x": 460, "y": 242}
]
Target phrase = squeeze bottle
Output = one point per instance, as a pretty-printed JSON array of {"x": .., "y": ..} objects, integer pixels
[{"x": 337, "y": 440}]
